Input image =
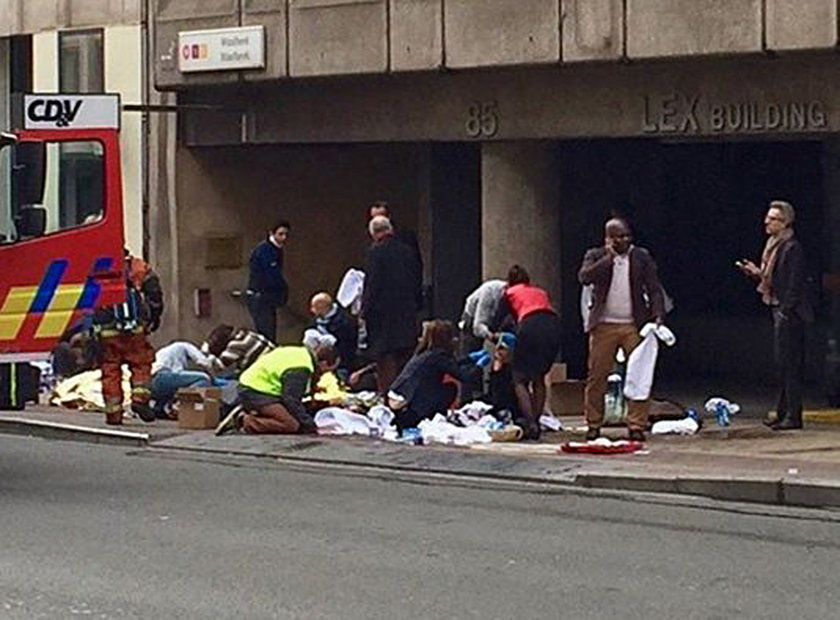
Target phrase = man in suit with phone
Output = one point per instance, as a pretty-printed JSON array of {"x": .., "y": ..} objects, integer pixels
[{"x": 782, "y": 282}]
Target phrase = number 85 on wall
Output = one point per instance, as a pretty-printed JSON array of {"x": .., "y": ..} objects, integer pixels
[{"x": 482, "y": 119}]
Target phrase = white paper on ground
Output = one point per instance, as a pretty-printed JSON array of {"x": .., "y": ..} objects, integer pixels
[
  {"x": 438, "y": 430},
  {"x": 686, "y": 426},
  {"x": 337, "y": 421},
  {"x": 551, "y": 423}
]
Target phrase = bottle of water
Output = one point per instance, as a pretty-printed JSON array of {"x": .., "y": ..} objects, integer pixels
[{"x": 722, "y": 414}]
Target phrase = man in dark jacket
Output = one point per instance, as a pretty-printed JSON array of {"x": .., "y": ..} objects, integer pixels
[
  {"x": 390, "y": 301},
  {"x": 267, "y": 288},
  {"x": 626, "y": 293},
  {"x": 406, "y": 235},
  {"x": 782, "y": 283}
]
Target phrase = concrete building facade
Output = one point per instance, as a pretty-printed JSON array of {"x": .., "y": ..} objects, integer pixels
[{"x": 502, "y": 131}]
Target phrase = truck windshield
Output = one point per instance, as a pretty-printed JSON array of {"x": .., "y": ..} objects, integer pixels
[{"x": 73, "y": 189}]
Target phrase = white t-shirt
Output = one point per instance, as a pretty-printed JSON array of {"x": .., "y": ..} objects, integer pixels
[
  {"x": 619, "y": 305},
  {"x": 180, "y": 356}
]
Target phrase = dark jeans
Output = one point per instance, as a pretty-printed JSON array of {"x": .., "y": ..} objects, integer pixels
[
  {"x": 264, "y": 314},
  {"x": 166, "y": 383},
  {"x": 789, "y": 346}
]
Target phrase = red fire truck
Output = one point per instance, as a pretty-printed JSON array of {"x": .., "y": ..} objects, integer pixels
[{"x": 61, "y": 236}]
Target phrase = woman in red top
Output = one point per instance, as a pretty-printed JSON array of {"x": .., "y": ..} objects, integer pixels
[{"x": 537, "y": 344}]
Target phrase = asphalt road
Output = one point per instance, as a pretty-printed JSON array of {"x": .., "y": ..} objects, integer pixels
[{"x": 103, "y": 532}]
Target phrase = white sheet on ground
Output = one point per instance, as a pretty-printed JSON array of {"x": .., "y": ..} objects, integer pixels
[
  {"x": 337, "y": 421},
  {"x": 551, "y": 423},
  {"x": 84, "y": 390},
  {"x": 686, "y": 426},
  {"x": 438, "y": 430}
]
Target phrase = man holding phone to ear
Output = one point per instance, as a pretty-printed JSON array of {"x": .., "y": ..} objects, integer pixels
[{"x": 782, "y": 280}]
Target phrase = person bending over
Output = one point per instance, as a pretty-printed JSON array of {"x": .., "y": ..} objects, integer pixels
[
  {"x": 420, "y": 391},
  {"x": 537, "y": 345},
  {"x": 272, "y": 390}
]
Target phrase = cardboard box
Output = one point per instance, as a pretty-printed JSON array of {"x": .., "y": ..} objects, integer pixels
[
  {"x": 566, "y": 397},
  {"x": 557, "y": 374},
  {"x": 198, "y": 408}
]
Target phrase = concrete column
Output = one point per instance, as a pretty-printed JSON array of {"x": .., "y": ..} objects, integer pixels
[
  {"x": 520, "y": 219},
  {"x": 831, "y": 228}
]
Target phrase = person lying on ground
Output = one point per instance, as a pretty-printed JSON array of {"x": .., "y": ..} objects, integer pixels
[
  {"x": 76, "y": 352},
  {"x": 178, "y": 365},
  {"x": 272, "y": 390},
  {"x": 421, "y": 390},
  {"x": 234, "y": 350}
]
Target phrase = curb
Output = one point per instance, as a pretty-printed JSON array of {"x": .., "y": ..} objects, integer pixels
[
  {"x": 70, "y": 432},
  {"x": 779, "y": 491},
  {"x": 770, "y": 491}
]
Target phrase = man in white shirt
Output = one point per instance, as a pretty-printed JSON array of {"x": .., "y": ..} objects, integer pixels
[
  {"x": 626, "y": 293},
  {"x": 177, "y": 365}
]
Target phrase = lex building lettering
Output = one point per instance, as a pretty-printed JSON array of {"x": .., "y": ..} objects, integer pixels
[{"x": 678, "y": 113}]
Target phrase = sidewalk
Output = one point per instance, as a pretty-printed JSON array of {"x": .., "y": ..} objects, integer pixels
[{"x": 744, "y": 462}]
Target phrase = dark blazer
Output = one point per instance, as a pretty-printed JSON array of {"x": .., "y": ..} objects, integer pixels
[
  {"x": 645, "y": 288},
  {"x": 409, "y": 237},
  {"x": 266, "y": 273},
  {"x": 390, "y": 300},
  {"x": 790, "y": 281}
]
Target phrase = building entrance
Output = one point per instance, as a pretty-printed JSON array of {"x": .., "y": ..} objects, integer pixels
[{"x": 698, "y": 207}]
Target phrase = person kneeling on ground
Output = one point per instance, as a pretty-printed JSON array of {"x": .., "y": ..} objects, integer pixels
[
  {"x": 272, "y": 390},
  {"x": 419, "y": 392}
]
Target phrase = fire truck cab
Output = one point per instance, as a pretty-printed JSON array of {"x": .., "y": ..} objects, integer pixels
[{"x": 61, "y": 235}]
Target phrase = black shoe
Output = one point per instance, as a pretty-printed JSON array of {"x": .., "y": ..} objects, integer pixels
[
  {"x": 770, "y": 422},
  {"x": 144, "y": 412},
  {"x": 636, "y": 435},
  {"x": 530, "y": 431},
  {"x": 231, "y": 423},
  {"x": 592, "y": 433}
]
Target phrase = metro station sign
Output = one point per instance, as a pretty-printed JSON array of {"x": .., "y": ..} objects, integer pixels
[{"x": 221, "y": 49}]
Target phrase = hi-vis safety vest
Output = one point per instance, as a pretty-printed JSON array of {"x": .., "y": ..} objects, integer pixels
[{"x": 266, "y": 373}]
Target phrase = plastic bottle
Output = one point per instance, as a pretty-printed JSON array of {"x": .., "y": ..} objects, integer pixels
[{"x": 722, "y": 414}]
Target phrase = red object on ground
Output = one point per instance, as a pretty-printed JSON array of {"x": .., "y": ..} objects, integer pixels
[{"x": 589, "y": 448}]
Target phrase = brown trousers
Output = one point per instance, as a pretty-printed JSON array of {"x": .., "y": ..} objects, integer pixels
[
  {"x": 272, "y": 419},
  {"x": 604, "y": 341},
  {"x": 134, "y": 350}
]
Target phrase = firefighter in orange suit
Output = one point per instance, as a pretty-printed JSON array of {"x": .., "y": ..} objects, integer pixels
[{"x": 123, "y": 332}]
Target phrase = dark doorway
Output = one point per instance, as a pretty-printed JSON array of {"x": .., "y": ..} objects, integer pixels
[
  {"x": 697, "y": 207},
  {"x": 456, "y": 226}
]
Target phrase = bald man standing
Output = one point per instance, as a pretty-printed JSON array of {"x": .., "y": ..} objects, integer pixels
[{"x": 626, "y": 294}]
